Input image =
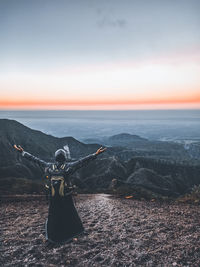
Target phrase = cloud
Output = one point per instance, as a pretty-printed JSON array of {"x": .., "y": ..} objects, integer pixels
[
  {"x": 107, "y": 18},
  {"x": 108, "y": 22}
]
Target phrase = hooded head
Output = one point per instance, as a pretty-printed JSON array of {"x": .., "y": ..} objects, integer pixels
[{"x": 60, "y": 155}]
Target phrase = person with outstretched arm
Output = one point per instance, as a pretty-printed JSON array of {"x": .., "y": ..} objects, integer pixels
[{"x": 63, "y": 222}]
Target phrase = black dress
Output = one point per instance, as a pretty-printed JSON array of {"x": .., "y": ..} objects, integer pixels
[{"x": 63, "y": 222}]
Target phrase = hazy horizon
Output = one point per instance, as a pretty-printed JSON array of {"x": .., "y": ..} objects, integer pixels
[{"x": 82, "y": 124}]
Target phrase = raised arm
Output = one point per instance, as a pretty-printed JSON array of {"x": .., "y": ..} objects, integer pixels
[
  {"x": 73, "y": 166},
  {"x": 30, "y": 157}
]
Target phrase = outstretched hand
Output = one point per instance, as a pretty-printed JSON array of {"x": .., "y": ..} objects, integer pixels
[
  {"x": 18, "y": 148},
  {"x": 100, "y": 150}
]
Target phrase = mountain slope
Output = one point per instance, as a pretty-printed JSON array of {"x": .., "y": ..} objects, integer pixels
[{"x": 35, "y": 142}]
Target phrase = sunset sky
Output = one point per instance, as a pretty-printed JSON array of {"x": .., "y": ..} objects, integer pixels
[{"x": 91, "y": 54}]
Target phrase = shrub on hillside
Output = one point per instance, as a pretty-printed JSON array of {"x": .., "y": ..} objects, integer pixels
[{"x": 192, "y": 197}]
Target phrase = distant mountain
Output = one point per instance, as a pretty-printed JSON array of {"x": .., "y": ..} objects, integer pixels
[
  {"x": 117, "y": 140},
  {"x": 125, "y": 139},
  {"x": 134, "y": 145}
]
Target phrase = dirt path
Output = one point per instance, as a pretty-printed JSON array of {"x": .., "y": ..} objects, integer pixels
[{"x": 119, "y": 232}]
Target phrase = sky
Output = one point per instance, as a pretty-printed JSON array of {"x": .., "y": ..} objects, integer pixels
[{"x": 91, "y": 54}]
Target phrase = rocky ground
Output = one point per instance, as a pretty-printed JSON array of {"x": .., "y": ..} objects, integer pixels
[{"x": 119, "y": 232}]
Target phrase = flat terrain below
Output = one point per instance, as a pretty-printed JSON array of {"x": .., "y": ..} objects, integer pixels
[{"x": 118, "y": 232}]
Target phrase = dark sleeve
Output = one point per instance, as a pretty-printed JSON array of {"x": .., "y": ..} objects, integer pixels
[
  {"x": 30, "y": 157},
  {"x": 73, "y": 166}
]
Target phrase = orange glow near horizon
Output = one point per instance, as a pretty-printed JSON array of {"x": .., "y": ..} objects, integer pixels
[
  {"x": 154, "y": 85},
  {"x": 101, "y": 104},
  {"x": 188, "y": 100}
]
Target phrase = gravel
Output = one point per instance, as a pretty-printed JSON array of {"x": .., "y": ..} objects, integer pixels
[{"x": 118, "y": 232}]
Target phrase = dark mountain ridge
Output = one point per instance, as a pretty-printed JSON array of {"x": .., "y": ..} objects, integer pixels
[{"x": 35, "y": 142}]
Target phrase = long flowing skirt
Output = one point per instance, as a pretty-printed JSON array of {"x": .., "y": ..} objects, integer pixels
[{"x": 63, "y": 221}]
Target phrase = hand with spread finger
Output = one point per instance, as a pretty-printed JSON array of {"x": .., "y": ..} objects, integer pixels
[
  {"x": 100, "y": 150},
  {"x": 18, "y": 148}
]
